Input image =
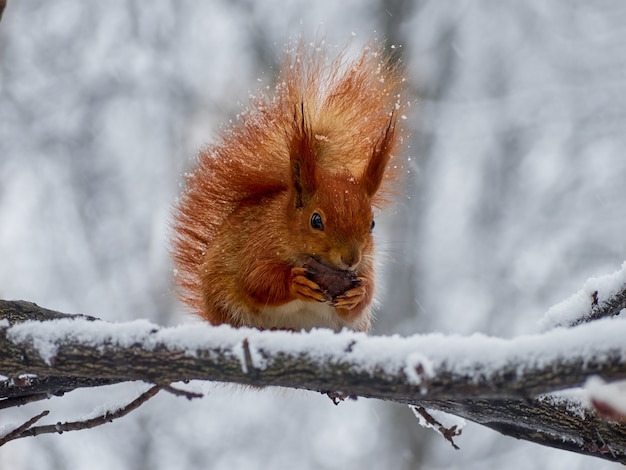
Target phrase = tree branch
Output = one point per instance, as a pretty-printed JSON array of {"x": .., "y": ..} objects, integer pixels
[
  {"x": 429, "y": 366},
  {"x": 550, "y": 420},
  {"x": 26, "y": 429},
  {"x": 488, "y": 380}
]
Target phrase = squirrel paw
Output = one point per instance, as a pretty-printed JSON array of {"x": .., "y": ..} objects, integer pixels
[
  {"x": 353, "y": 297},
  {"x": 303, "y": 288}
]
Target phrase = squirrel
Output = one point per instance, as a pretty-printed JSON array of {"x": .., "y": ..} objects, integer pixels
[{"x": 274, "y": 228}]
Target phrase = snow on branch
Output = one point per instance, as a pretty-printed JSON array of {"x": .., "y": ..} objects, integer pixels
[
  {"x": 600, "y": 297},
  {"x": 489, "y": 380},
  {"x": 427, "y": 367}
]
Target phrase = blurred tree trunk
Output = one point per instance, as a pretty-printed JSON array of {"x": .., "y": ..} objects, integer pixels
[{"x": 402, "y": 294}]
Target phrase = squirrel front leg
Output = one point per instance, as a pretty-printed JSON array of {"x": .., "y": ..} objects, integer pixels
[
  {"x": 351, "y": 303},
  {"x": 276, "y": 283},
  {"x": 353, "y": 297},
  {"x": 304, "y": 288}
]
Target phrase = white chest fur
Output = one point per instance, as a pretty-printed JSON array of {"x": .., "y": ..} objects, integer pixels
[{"x": 300, "y": 315}]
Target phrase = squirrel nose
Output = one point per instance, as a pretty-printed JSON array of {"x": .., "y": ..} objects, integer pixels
[{"x": 351, "y": 257}]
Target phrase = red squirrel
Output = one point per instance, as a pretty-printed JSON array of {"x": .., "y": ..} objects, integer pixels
[{"x": 274, "y": 229}]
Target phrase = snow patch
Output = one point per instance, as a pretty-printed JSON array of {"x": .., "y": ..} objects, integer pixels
[
  {"x": 46, "y": 337},
  {"x": 418, "y": 369}
]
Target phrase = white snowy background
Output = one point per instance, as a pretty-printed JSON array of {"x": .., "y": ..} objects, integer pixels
[{"x": 516, "y": 195}]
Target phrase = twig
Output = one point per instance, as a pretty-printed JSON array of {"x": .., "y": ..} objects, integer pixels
[
  {"x": 181, "y": 393},
  {"x": 447, "y": 433},
  {"x": 338, "y": 397},
  {"x": 26, "y": 430},
  {"x": 3, "y": 3},
  {"x": 18, "y": 432}
]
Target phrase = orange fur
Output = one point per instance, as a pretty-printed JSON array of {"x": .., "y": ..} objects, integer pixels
[{"x": 324, "y": 143}]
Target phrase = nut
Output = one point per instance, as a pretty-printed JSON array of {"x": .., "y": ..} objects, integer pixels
[{"x": 334, "y": 282}]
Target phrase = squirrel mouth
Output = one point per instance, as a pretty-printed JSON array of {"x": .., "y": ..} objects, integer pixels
[
  {"x": 313, "y": 263},
  {"x": 337, "y": 267}
]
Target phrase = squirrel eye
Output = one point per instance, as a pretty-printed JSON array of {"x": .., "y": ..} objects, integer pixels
[
  {"x": 316, "y": 221},
  {"x": 373, "y": 225}
]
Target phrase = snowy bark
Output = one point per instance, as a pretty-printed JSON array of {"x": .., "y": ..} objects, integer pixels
[{"x": 492, "y": 381}]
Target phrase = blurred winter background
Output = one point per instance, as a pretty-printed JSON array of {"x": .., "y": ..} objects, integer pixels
[{"x": 516, "y": 195}]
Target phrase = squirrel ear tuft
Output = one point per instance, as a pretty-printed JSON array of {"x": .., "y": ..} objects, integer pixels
[
  {"x": 302, "y": 158},
  {"x": 375, "y": 170}
]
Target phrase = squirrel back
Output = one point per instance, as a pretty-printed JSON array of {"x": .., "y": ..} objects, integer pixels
[{"x": 274, "y": 227}]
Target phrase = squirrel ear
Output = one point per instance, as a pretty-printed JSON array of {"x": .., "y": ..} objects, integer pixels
[
  {"x": 373, "y": 175},
  {"x": 302, "y": 159}
]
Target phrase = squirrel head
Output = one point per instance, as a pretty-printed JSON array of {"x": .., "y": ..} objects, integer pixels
[{"x": 332, "y": 210}]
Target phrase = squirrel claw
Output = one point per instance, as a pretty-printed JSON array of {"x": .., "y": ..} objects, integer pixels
[
  {"x": 304, "y": 288},
  {"x": 351, "y": 298}
]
